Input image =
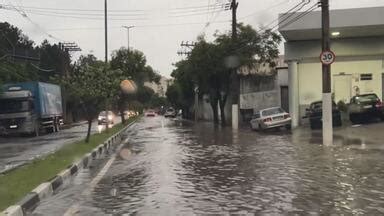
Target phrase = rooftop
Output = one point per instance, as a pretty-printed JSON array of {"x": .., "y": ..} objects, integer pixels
[{"x": 344, "y": 23}]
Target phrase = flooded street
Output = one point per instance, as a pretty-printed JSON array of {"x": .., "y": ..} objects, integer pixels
[
  {"x": 19, "y": 150},
  {"x": 170, "y": 167}
]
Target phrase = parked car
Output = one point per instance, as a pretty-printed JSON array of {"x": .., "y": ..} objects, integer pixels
[
  {"x": 150, "y": 113},
  {"x": 366, "y": 106},
  {"x": 103, "y": 118},
  {"x": 274, "y": 117},
  {"x": 315, "y": 115},
  {"x": 170, "y": 113}
]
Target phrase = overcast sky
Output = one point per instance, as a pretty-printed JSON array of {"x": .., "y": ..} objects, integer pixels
[{"x": 161, "y": 25}]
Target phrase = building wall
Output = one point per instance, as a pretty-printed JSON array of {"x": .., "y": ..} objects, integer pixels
[{"x": 310, "y": 80}]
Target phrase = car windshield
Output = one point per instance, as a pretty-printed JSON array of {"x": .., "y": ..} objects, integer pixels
[
  {"x": 273, "y": 111},
  {"x": 13, "y": 106},
  {"x": 367, "y": 98},
  {"x": 103, "y": 113}
]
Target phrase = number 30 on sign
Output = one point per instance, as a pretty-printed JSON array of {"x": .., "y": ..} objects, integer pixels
[{"x": 327, "y": 57}]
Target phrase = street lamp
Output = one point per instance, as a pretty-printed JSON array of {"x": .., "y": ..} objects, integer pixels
[{"x": 128, "y": 27}]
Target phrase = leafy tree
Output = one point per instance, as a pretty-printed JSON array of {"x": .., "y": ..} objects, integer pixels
[
  {"x": 210, "y": 64},
  {"x": 92, "y": 86},
  {"x": 133, "y": 64}
]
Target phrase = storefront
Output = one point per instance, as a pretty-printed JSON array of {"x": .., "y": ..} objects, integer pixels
[{"x": 357, "y": 41}]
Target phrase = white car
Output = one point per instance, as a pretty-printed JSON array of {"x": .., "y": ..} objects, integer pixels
[
  {"x": 103, "y": 118},
  {"x": 274, "y": 117}
]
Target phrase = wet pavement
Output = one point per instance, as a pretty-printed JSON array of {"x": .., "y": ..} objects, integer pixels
[
  {"x": 169, "y": 167},
  {"x": 16, "y": 151}
]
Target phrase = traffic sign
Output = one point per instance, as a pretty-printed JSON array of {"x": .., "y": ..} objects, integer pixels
[{"x": 327, "y": 57}]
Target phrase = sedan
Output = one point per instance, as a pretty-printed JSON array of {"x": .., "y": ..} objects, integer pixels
[
  {"x": 366, "y": 106},
  {"x": 150, "y": 113},
  {"x": 315, "y": 115},
  {"x": 271, "y": 118}
]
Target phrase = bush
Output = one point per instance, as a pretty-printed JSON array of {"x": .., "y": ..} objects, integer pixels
[{"x": 342, "y": 106}]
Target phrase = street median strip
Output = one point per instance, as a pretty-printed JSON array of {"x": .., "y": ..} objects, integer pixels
[{"x": 14, "y": 185}]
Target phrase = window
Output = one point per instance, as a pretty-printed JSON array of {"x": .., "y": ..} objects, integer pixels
[{"x": 364, "y": 77}]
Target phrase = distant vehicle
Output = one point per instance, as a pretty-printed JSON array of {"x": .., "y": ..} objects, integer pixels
[
  {"x": 128, "y": 114},
  {"x": 150, "y": 113},
  {"x": 271, "y": 118},
  {"x": 103, "y": 118},
  {"x": 315, "y": 115},
  {"x": 29, "y": 107},
  {"x": 366, "y": 106},
  {"x": 170, "y": 113}
]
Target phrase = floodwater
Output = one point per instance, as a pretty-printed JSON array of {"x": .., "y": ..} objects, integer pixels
[{"x": 170, "y": 167}]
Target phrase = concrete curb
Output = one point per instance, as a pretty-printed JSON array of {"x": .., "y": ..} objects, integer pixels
[{"x": 45, "y": 190}]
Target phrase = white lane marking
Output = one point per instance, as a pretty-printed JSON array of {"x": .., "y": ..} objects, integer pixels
[{"x": 75, "y": 209}]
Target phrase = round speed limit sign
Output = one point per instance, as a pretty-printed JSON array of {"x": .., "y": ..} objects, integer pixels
[{"x": 327, "y": 57}]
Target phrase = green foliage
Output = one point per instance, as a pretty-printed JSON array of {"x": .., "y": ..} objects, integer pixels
[
  {"x": 133, "y": 64},
  {"x": 211, "y": 64},
  {"x": 92, "y": 84}
]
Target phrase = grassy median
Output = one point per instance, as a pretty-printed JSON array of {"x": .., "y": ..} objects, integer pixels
[{"x": 17, "y": 183}]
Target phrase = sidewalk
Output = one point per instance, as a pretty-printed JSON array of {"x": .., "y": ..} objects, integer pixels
[{"x": 365, "y": 136}]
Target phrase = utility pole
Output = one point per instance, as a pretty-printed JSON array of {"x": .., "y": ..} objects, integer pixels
[
  {"x": 128, "y": 27},
  {"x": 235, "y": 77},
  {"x": 196, "y": 103},
  {"x": 106, "y": 56},
  {"x": 327, "y": 95},
  {"x": 185, "y": 46}
]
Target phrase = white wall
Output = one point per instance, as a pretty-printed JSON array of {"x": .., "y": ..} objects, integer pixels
[{"x": 310, "y": 79}]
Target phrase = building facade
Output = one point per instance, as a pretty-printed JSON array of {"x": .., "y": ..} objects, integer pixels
[{"x": 358, "y": 43}]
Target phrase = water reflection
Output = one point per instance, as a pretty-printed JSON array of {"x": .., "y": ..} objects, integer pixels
[{"x": 178, "y": 168}]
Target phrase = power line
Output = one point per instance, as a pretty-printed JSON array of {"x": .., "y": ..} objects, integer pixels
[
  {"x": 69, "y": 9},
  {"x": 301, "y": 15},
  {"x": 83, "y": 14},
  {"x": 86, "y": 18},
  {"x": 142, "y": 26},
  {"x": 291, "y": 14},
  {"x": 173, "y": 10},
  {"x": 25, "y": 16},
  {"x": 267, "y": 9},
  {"x": 292, "y": 10}
]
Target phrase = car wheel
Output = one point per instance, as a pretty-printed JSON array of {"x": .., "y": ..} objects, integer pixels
[
  {"x": 338, "y": 122},
  {"x": 353, "y": 118},
  {"x": 288, "y": 127},
  {"x": 315, "y": 125}
]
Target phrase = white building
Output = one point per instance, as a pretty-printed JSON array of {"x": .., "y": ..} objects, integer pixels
[{"x": 357, "y": 41}]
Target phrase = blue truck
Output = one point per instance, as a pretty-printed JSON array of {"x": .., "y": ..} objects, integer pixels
[{"x": 30, "y": 107}]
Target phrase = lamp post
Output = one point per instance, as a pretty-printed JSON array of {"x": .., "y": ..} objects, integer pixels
[{"x": 128, "y": 28}]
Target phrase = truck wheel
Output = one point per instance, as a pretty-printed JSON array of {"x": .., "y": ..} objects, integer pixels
[
  {"x": 36, "y": 131},
  {"x": 57, "y": 127}
]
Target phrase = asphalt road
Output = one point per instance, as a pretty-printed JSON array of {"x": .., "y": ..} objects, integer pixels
[{"x": 16, "y": 151}]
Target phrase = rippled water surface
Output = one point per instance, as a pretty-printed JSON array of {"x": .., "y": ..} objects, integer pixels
[{"x": 177, "y": 168}]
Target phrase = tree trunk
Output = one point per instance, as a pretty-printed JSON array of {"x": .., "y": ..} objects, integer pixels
[
  {"x": 214, "y": 101},
  {"x": 122, "y": 116},
  {"x": 222, "y": 103},
  {"x": 89, "y": 130}
]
